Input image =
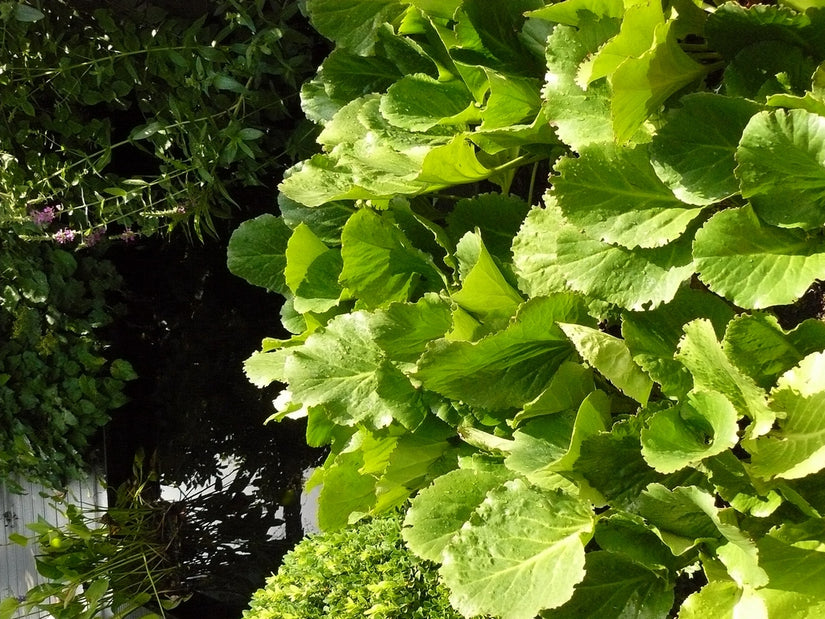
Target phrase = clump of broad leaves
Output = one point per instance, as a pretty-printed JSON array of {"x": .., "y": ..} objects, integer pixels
[{"x": 587, "y": 394}]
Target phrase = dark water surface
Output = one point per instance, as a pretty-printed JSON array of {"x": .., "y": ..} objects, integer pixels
[{"x": 189, "y": 325}]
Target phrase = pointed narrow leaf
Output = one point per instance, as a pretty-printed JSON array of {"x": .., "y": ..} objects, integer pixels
[{"x": 610, "y": 356}]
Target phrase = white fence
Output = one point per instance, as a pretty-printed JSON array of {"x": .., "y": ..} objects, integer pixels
[{"x": 17, "y": 567}]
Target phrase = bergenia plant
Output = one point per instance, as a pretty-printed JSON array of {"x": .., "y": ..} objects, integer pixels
[{"x": 543, "y": 282}]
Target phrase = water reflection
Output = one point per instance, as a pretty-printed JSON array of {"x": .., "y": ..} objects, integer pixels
[{"x": 190, "y": 325}]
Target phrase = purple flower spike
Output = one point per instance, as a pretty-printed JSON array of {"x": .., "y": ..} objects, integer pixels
[
  {"x": 64, "y": 236},
  {"x": 43, "y": 216}
]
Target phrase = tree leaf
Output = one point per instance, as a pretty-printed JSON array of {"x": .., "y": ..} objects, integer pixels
[
  {"x": 698, "y": 166},
  {"x": 522, "y": 551},
  {"x": 766, "y": 266},
  {"x": 782, "y": 167}
]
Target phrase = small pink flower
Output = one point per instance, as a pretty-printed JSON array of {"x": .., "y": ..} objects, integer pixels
[
  {"x": 43, "y": 216},
  {"x": 64, "y": 236},
  {"x": 128, "y": 236},
  {"x": 94, "y": 237}
]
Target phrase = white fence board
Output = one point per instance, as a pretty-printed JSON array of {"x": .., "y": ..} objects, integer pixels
[{"x": 17, "y": 566}]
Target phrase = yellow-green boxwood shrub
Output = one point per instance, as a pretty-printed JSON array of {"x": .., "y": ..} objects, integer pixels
[{"x": 361, "y": 571}]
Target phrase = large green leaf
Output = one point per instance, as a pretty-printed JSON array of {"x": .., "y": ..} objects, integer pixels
[
  {"x": 732, "y": 27},
  {"x": 343, "y": 369},
  {"x": 553, "y": 443},
  {"x": 641, "y": 85},
  {"x": 485, "y": 292},
  {"x": 613, "y": 194},
  {"x": 761, "y": 348},
  {"x": 550, "y": 255},
  {"x": 352, "y": 24},
  {"x": 700, "y": 427},
  {"x": 634, "y": 279},
  {"x": 256, "y": 252},
  {"x": 703, "y": 355},
  {"x": 796, "y": 448},
  {"x": 782, "y": 167},
  {"x": 498, "y": 217},
  {"x": 764, "y": 266},
  {"x": 312, "y": 271},
  {"x": 419, "y": 102},
  {"x": 794, "y": 590},
  {"x": 571, "y": 384},
  {"x": 438, "y": 512},
  {"x": 616, "y": 587},
  {"x": 570, "y": 12},
  {"x": 534, "y": 252},
  {"x": 348, "y": 478},
  {"x": 403, "y": 330},
  {"x": 687, "y": 516},
  {"x": 490, "y": 34},
  {"x": 698, "y": 165},
  {"x": 380, "y": 263},
  {"x": 635, "y": 37},
  {"x": 653, "y": 336},
  {"x": 508, "y": 368},
  {"x": 522, "y": 551},
  {"x": 612, "y": 463},
  {"x": 512, "y": 101},
  {"x": 581, "y": 117}
]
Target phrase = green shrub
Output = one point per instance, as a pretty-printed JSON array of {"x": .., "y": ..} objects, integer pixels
[
  {"x": 56, "y": 387},
  {"x": 142, "y": 120},
  {"x": 361, "y": 571}
]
